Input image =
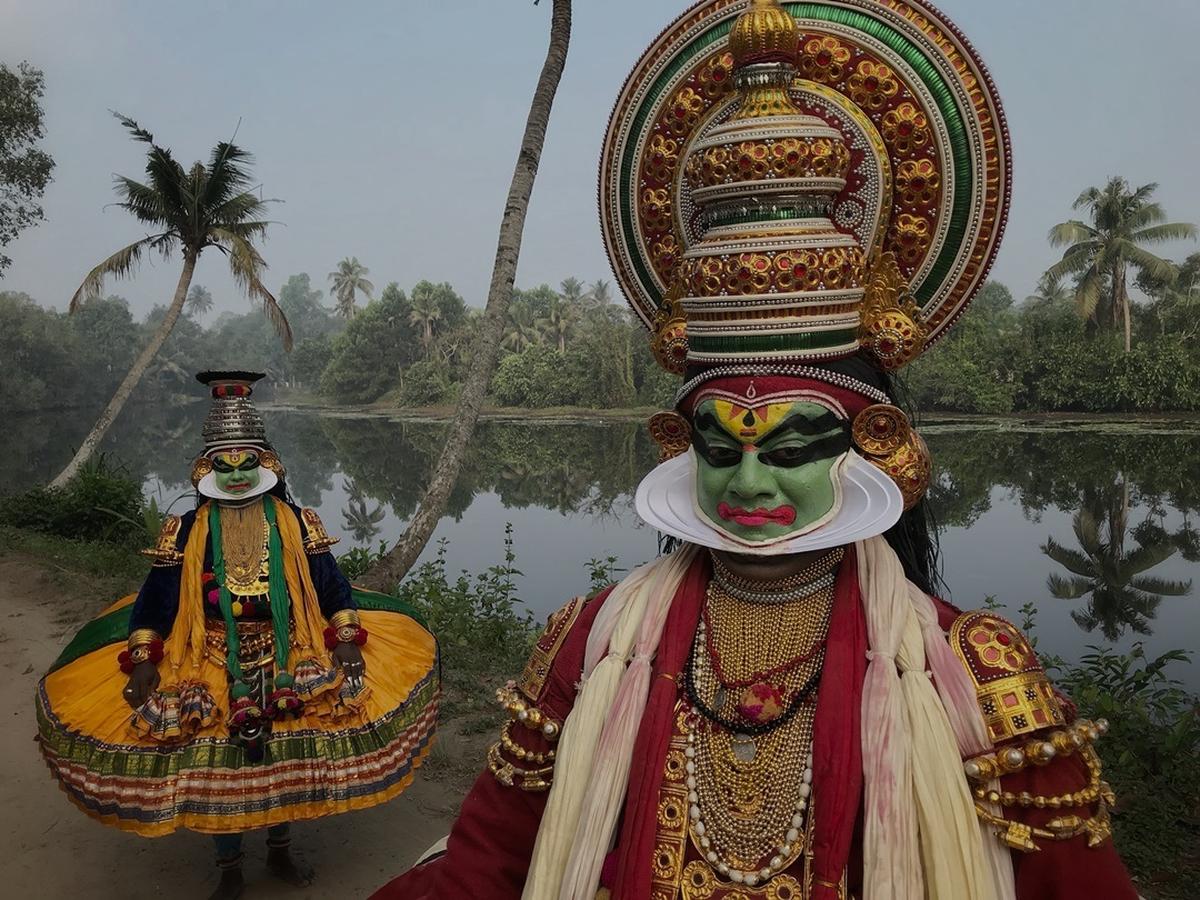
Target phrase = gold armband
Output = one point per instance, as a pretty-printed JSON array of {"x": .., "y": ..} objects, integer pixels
[
  {"x": 317, "y": 539},
  {"x": 165, "y": 551}
]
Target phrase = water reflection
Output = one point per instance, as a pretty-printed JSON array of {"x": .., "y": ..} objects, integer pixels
[
  {"x": 1090, "y": 521},
  {"x": 1121, "y": 595}
]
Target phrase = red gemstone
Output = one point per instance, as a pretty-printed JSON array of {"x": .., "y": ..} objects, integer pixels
[
  {"x": 872, "y": 83},
  {"x": 1003, "y": 639},
  {"x": 824, "y": 58},
  {"x": 905, "y": 128}
]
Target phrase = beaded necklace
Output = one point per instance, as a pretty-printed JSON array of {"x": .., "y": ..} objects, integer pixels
[{"x": 749, "y": 764}]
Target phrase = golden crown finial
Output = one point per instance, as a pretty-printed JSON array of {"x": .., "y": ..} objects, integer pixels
[{"x": 765, "y": 32}]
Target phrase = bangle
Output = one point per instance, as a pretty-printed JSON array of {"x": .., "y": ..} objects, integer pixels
[
  {"x": 345, "y": 634},
  {"x": 144, "y": 646},
  {"x": 344, "y": 617}
]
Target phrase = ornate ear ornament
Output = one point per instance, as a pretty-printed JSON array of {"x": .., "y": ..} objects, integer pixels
[
  {"x": 668, "y": 339},
  {"x": 201, "y": 467},
  {"x": 883, "y": 435},
  {"x": 672, "y": 433},
  {"x": 269, "y": 459},
  {"x": 892, "y": 329}
]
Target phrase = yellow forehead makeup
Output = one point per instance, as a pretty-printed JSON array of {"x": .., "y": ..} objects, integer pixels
[
  {"x": 750, "y": 424},
  {"x": 232, "y": 458}
]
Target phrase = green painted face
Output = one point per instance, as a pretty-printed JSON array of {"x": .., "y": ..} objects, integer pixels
[
  {"x": 763, "y": 472},
  {"x": 237, "y": 471}
]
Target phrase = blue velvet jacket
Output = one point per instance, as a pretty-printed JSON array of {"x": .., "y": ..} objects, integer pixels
[{"x": 158, "y": 600}]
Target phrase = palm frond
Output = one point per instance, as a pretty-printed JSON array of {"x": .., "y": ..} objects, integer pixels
[
  {"x": 1149, "y": 262},
  {"x": 227, "y": 176},
  {"x": 1067, "y": 588},
  {"x": 1071, "y": 560},
  {"x": 1167, "y": 231},
  {"x": 120, "y": 265},
  {"x": 139, "y": 133},
  {"x": 1071, "y": 232},
  {"x": 141, "y": 201},
  {"x": 1163, "y": 587},
  {"x": 1148, "y": 556},
  {"x": 236, "y": 209},
  {"x": 247, "y": 266}
]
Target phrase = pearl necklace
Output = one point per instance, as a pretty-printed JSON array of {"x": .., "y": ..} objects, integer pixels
[{"x": 786, "y": 850}]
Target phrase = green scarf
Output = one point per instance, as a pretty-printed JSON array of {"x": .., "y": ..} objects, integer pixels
[{"x": 276, "y": 591}]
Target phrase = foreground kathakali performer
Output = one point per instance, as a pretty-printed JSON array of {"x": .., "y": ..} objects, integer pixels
[
  {"x": 247, "y": 685},
  {"x": 797, "y": 199}
]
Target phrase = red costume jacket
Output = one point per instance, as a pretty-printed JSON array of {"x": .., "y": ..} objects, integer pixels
[{"x": 489, "y": 848}]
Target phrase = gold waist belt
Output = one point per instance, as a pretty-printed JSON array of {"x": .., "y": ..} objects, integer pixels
[{"x": 256, "y": 642}]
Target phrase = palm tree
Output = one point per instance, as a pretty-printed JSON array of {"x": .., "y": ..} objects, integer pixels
[
  {"x": 425, "y": 311},
  {"x": 1051, "y": 293},
  {"x": 1123, "y": 220},
  {"x": 363, "y": 524},
  {"x": 559, "y": 321},
  {"x": 521, "y": 330},
  {"x": 1122, "y": 596},
  {"x": 600, "y": 293},
  {"x": 192, "y": 210},
  {"x": 349, "y": 279},
  {"x": 199, "y": 301},
  {"x": 396, "y": 563}
]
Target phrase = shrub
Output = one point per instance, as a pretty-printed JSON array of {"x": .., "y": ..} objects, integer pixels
[
  {"x": 100, "y": 503},
  {"x": 425, "y": 383}
]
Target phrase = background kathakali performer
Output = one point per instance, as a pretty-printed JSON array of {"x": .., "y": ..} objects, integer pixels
[
  {"x": 797, "y": 199},
  {"x": 263, "y": 687}
]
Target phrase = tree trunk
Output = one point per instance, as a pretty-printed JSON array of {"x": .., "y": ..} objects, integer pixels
[
  {"x": 136, "y": 371},
  {"x": 1121, "y": 290},
  {"x": 386, "y": 573}
]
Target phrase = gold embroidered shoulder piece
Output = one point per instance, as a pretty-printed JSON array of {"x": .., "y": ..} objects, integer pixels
[
  {"x": 317, "y": 539},
  {"x": 533, "y": 680},
  {"x": 1014, "y": 693},
  {"x": 165, "y": 551}
]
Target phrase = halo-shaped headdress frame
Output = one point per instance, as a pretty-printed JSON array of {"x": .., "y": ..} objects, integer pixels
[{"x": 930, "y": 160}]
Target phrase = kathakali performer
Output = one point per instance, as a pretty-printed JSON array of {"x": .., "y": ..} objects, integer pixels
[
  {"x": 798, "y": 199},
  {"x": 248, "y": 684}
]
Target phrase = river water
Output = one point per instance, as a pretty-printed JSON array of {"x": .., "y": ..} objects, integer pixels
[{"x": 1122, "y": 500}]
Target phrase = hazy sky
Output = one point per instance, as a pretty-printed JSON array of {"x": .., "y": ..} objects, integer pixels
[{"x": 391, "y": 128}]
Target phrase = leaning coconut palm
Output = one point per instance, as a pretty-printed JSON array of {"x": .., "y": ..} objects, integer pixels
[
  {"x": 1123, "y": 596},
  {"x": 349, "y": 279},
  {"x": 191, "y": 210},
  {"x": 1123, "y": 220},
  {"x": 395, "y": 565}
]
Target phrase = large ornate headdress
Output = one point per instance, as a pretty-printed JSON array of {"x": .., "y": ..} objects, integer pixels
[
  {"x": 783, "y": 185},
  {"x": 233, "y": 423}
]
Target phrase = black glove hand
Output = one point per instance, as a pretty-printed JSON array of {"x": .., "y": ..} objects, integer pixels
[
  {"x": 142, "y": 683},
  {"x": 350, "y": 658}
]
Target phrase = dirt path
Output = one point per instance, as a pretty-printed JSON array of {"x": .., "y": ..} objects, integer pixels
[{"x": 52, "y": 850}]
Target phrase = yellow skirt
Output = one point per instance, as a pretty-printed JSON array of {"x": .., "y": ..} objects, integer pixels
[{"x": 314, "y": 765}]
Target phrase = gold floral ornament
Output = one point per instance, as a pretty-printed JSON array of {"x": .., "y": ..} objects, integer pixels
[
  {"x": 824, "y": 59},
  {"x": 668, "y": 340},
  {"x": 201, "y": 467},
  {"x": 270, "y": 461},
  {"x": 672, "y": 433},
  {"x": 892, "y": 328},
  {"x": 872, "y": 85},
  {"x": 893, "y": 446}
]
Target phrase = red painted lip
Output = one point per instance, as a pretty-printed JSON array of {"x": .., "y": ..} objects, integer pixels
[
  {"x": 780, "y": 515},
  {"x": 239, "y": 487}
]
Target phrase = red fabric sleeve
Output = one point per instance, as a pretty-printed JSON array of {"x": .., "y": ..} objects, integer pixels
[
  {"x": 1070, "y": 869},
  {"x": 488, "y": 851}
]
